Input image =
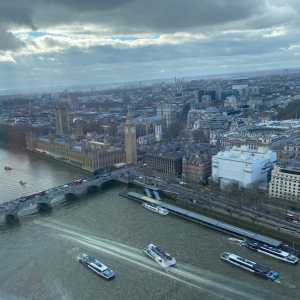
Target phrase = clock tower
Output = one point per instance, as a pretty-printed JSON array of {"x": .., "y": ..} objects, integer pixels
[{"x": 130, "y": 141}]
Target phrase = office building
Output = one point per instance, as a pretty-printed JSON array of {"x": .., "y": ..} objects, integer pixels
[
  {"x": 168, "y": 112},
  {"x": 242, "y": 166},
  {"x": 285, "y": 181},
  {"x": 168, "y": 164}
]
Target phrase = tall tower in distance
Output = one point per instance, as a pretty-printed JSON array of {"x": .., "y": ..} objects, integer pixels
[
  {"x": 62, "y": 119},
  {"x": 130, "y": 141}
]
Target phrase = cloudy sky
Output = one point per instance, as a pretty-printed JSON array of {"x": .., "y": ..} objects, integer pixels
[{"x": 69, "y": 42}]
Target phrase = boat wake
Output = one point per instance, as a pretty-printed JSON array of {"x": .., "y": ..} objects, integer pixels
[
  {"x": 185, "y": 274},
  {"x": 286, "y": 284},
  {"x": 277, "y": 281}
]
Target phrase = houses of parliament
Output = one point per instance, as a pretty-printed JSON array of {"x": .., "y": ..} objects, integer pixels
[{"x": 88, "y": 154}]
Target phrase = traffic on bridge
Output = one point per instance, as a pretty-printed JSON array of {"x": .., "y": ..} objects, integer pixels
[{"x": 11, "y": 211}]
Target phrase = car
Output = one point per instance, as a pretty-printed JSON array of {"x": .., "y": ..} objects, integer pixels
[{"x": 79, "y": 181}]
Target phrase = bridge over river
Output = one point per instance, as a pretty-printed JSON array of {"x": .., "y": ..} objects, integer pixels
[{"x": 11, "y": 211}]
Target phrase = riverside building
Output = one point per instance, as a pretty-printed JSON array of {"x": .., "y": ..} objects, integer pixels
[
  {"x": 243, "y": 166},
  {"x": 285, "y": 182},
  {"x": 168, "y": 164},
  {"x": 87, "y": 155}
]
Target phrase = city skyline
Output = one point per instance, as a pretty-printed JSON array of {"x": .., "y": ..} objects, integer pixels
[
  {"x": 86, "y": 171},
  {"x": 137, "y": 136},
  {"x": 61, "y": 43}
]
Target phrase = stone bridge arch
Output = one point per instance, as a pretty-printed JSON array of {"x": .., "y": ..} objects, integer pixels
[
  {"x": 71, "y": 196},
  {"x": 44, "y": 207},
  {"x": 12, "y": 219},
  {"x": 92, "y": 189}
]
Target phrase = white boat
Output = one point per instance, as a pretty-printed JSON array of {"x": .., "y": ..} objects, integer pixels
[
  {"x": 270, "y": 251},
  {"x": 249, "y": 266},
  {"x": 96, "y": 266},
  {"x": 156, "y": 208},
  {"x": 161, "y": 257}
]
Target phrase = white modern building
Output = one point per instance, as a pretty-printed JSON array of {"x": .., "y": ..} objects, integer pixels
[{"x": 243, "y": 166}]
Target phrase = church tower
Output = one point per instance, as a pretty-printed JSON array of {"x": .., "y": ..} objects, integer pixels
[{"x": 130, "y": 141}]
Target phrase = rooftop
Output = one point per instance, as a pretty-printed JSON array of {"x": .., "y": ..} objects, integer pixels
[{"x": 244, "y": 153}]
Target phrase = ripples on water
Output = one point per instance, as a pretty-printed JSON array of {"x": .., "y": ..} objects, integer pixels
[
  {"x": 190, "y": 276},
  {"x": 39, "y": 174}
]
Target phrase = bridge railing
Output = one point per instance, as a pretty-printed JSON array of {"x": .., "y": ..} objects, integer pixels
[{"x": 48, "y": 194}]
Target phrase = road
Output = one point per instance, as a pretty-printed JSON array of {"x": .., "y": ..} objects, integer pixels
[{"x": 219, "y": 202}]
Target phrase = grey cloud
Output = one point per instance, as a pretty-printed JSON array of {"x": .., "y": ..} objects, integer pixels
[
  {"x": 283, "y": 13},
  {"x": 131, "y": 15},
  {"x": 163, "y": 15},
  {"x": 125, "y": 15},
  {"x": 148, "y": 15},
  {"x": 13, "y": 14},
  {"x": 228, "y": 45},
  {"x": 8, "y": 41},
  {"x": 16, "y": 12},
  {"x": 90, "y": 5},
  {"x": 176, "y": 15},
  {"x": 226, "y": 23}
]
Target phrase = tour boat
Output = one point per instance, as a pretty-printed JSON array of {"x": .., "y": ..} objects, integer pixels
[
  {"x": 156, "y": 208},
  {"x": 161, "y": 257},
  {"x": 270, "y": 251},
  {"x": 96, "y": 266},
  {"x": 249, "y": 266}
]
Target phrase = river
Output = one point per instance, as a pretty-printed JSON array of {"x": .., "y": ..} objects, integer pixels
[{"x": 39, "y": 257}]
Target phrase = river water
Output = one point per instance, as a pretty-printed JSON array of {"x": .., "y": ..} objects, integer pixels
[{"x": 39, "y": 257}]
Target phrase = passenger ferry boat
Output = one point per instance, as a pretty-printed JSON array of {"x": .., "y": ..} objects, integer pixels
[
  {"x": 250, "y": 266},
  {"x": 96, "y": 266},
  {"x": 158, "y": 255},
  {"x": 270, "y": 251},
  {"x": 156, "y": 208}
]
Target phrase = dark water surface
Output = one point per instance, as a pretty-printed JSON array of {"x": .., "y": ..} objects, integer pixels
[
  {"x": 39, "y": 258},
  {"x": 39, "y": 174}
]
